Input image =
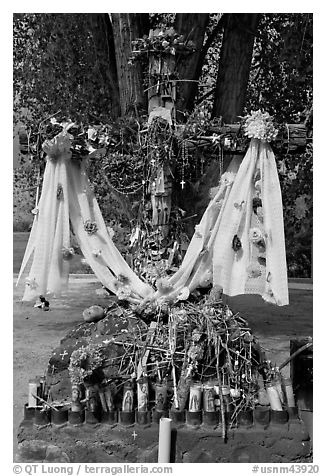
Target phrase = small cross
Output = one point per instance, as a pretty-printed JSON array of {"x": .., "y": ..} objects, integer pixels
[
  {"x": 134, "y": 435},
  {"x": 63, "y": 355},
  {"x": 183, "y": 183}
]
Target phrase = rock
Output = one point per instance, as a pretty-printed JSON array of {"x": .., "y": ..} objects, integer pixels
[
  {"x": 93, "y": 313},
  {"x": 249, "y": 454},
  {"x": 32, "y": 451},
  {"x": 55, "y": 455},
  {"x": 115, "y": 323}
]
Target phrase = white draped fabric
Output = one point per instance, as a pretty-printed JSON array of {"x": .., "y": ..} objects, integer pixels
[
  {"x": 67, "y": 201},
  {"x": 243, "y": 272},
  {"x": 49, "y": 240}
]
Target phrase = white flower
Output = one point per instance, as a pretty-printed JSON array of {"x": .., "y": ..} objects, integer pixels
[
  {"x": 255, "y": 235},
  {"x": 253, "y": 271},
  {"x": 292, "y": 176},
  {"x": 91, "y": 133},
  {"x": 183, "y": 294},
  {"x": 259, "y": 125},
  {"x": 31, "y": 282},
  {"x": 67, "y": 253},
  {"x": 198, "y": 233},
  {"x": 215, "y": 138}
]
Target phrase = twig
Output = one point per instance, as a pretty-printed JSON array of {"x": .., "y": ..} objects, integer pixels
[
  {"x": 217, "y": 347},
  {"x": 45, "y": 402},
  {"x": 297, "y": 352}
]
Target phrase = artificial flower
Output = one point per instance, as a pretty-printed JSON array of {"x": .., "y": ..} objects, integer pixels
[
  {"x": 253, "y": 271},
  {"x": 268, "y": 296},
  {"x": 259, "y": 125},
  {"x": 67, "y": 253},
  {"x": 227, "y": 178},
  {"x": 227, "y": 142},
  {"x": 59, "y": 192},
  {"x": 260, "y": 214},
  {"x": 196, "y": 335},
  {"x": 198, "y": 233},
  {"x": 163, "y": 286},
  {"x": 258, "y": 185},
  {"x": 183, "y": 294},
  {"x": 262, "y": 260},
  {"x": 123, "y": 293},
  {"x": 124, "y": 280},
  {"x": 195, "y": 352},
  {"x": 57, "y": 147},
  {"x": 255, "y": 235},
  {"x": 96, "y": 253},
  {"x": 90, "y": 227},
  {"x": 238, "y": 205},
  {"x": 292, "y": 176},
  {"x": 91, "y": 133},
  {"x": 256, "y": 202},
  {"x": 236, "y": 243},
  {"x": 31, "y": 282},
  {"x": 215, "y": 138}
]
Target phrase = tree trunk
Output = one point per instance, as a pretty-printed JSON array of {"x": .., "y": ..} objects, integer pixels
[
  {"x": 102, "y": 32},
  {"x": 193, "y": 27},
  {"x": 127, "y": 27},
  {"x": 234, "y": 66}
]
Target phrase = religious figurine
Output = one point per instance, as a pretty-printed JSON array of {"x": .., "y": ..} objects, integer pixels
[
  {"x": 91, "y": 397},
  {"x": 142, "y": 394},
  {"x": 76, "y": 406},
  {"x": 128, "y": 398}
]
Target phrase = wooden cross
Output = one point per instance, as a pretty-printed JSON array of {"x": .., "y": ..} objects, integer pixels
[{"x": 63, "y": 355}]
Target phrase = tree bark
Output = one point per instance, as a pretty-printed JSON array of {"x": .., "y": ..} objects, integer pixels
[
  {"x": 193, "y": 27},
  {"x": 127, "y": 27},
  {"x": 234, "y": 67},
  {"x": 102, "y": 32}
]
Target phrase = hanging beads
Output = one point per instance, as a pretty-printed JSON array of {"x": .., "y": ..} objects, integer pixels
[{"x": 185, "y": 162}]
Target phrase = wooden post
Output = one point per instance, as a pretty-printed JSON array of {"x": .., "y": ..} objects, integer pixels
[{"x": 161, "y": 103}]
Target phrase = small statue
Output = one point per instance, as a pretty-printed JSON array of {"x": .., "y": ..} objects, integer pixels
[{"x": 76, "y": 406}]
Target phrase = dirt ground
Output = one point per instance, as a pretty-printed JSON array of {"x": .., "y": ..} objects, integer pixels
[{"x": 36, "y": 333}]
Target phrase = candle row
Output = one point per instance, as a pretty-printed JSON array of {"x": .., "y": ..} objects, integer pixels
[
  {"x": 207, "y": 396},
  {"x": 260, "y": 415}
]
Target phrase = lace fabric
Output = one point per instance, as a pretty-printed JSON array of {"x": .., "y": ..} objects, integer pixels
[{"x": 257, "y": 267}]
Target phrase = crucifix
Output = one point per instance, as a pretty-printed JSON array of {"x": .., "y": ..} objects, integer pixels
[{"x": 134, "y": 435}]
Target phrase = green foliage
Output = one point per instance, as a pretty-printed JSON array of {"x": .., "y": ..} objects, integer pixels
[
  {"x": 57, "y": 67},
  {"x": 281, "y": 73},
  {"x": 295, "y": 172},
  {"x": 24, "y": 192}
]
